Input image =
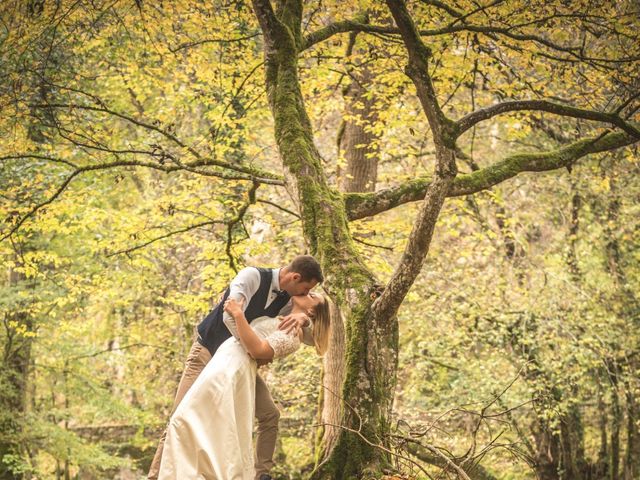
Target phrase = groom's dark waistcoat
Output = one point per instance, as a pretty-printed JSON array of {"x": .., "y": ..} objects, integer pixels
[{"x": 212, "y": 329}]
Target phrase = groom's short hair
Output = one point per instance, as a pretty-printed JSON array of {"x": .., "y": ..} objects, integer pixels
[{"x": 308, "y": 268}]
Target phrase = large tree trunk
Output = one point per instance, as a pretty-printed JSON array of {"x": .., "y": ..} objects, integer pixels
[
  {"x": 331, "y": 393},
  {"x": 371, "y": 342},
  {"x": 357, "y": 139},
  {"x": 360, "y": 148},
  {"x": 371, "y": 329}
]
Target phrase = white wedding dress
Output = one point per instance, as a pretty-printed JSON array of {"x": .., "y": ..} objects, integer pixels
[{"x": 210, "y": 434}]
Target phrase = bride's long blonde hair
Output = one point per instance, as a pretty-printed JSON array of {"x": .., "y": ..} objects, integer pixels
[{"x": 322, "y": 325}]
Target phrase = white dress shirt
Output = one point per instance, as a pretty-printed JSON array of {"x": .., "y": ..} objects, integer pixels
[{"x": 244, "y": 286}]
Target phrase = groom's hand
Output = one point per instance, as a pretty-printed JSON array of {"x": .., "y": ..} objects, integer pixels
[{"x": 293, "y": 322}]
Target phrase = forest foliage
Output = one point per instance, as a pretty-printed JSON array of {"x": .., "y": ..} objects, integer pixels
[{"x": 139, "y": 171}]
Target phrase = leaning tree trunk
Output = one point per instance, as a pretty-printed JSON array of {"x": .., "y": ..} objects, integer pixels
[
  {"x": 359, "y": 144},
  {"x": 371, "y": 344},
  {"x": 371, "y": 329}
]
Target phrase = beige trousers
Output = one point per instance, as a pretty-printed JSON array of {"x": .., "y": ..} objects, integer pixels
[{"x": 267, "y": 413}]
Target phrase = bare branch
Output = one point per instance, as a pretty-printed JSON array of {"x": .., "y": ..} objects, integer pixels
[
  {"x": 280, "y": 207},
  {"x": 358, "y": 432},
  {"x": 468, "y": 121},
  {"x": 573, "y": 51},
  {"x": 191, "y": 167},
  {"x": 417, "y": 449},
  {"x": 167, "y": 235},
  {"x": 384, "y": 247},
  {"x": 118, "y": 349}
]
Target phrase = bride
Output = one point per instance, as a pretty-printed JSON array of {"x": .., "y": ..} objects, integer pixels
[{"x": 209, "y": 434}]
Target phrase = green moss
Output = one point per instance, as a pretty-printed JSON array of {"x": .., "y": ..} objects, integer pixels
[
  {"x": 359, "y": 205},
  {"x": 326, "y": 228},
  {"x": 368, "y": 390}
]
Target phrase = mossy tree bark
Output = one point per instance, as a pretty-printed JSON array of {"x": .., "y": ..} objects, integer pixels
[
  {"x": 359, "y": 145},
  {"x": 371, "y": 342},
  {"x": 370, "y": 323},
  {"x": 370, "y": 328}
]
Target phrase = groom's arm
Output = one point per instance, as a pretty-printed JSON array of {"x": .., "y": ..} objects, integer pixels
[{"x": 242, "y": 288}]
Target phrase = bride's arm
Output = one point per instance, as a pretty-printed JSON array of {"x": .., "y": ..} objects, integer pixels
[{"x": 253, "y": 344}]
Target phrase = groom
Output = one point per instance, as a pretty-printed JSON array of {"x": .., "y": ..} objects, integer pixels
[{"x": 263, "y": 292}]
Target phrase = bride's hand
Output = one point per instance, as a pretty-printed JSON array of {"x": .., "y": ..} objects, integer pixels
[
  {"x": 233, "y": 307},
  {"x": 293, "y": 322}
]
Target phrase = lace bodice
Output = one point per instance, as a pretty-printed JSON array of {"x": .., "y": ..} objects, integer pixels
[{"x": 282, "y": 343}]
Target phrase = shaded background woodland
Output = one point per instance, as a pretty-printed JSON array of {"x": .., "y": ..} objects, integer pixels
[{"x": 139, "y": 171}]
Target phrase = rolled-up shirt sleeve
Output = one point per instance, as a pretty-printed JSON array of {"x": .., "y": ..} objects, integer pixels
[{"x": 242, "y": 288}]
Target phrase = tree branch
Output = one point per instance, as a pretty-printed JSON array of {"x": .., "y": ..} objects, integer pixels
[
  {"x": 166, "y": 235},
  {"x": 272, "y": 28},
  {"x": 231, "y": 223},
  {"x": 444, "y": 6},
  {"x": 417, "y": 70},
  {"x": 251, "y": 199},
  {"x": 354, "y": 25},
  {"x": 191, "y": 167},
  {"x": 357, "y": 24},
  {"x": 41, "y": 205},
  {"x": 279, "y": 207},
  {"x": 361, "y": 205},
  {"x": 123, "y": 116},
  {"x": 202, "y": 160},
  {"x": 417, "y": 247},
  {"x": 427, "y": 455},
  {"x": 468, "y": 121}
]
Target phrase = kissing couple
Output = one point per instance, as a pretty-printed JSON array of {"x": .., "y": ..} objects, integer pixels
[{"x": 263, "y": 314}]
